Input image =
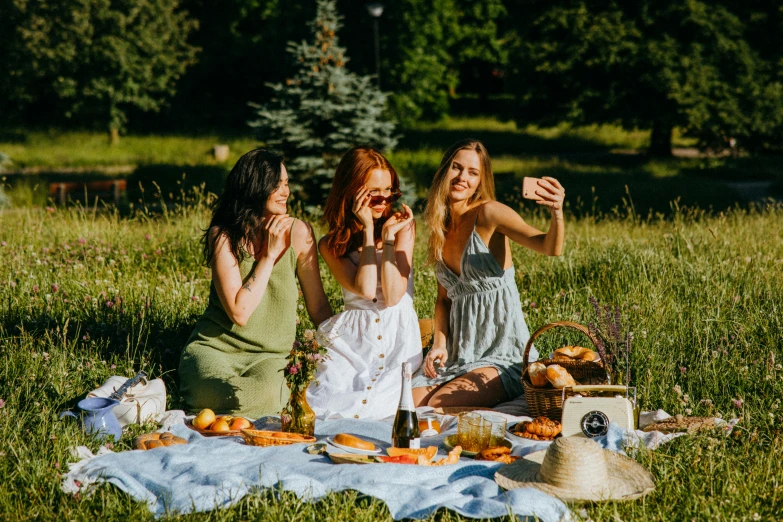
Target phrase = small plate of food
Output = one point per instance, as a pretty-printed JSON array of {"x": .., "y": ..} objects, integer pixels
[
  {"x": 452, "y": 441},
  {"x": 353, "y": 444},
  {"x": 540, "y": 429}
]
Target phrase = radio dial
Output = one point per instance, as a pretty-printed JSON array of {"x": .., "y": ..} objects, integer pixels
[{"x": 595, "y": 424}]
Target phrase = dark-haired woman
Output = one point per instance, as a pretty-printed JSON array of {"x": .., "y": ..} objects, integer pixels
[
  {"x": 369, "y": 250},
  {"x": 256, "y": 252}
]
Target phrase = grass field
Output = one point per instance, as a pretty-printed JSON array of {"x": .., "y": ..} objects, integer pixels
[
  {"x": 600, "y": 166},
  {"x": 86, "y": 295}
]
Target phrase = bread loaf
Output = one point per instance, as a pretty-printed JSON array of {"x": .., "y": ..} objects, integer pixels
[
  {"x": 354, "y": 442},
  {"x": 580, "y": 353},
  {"x": 157, "y": 440},
  {"x": 559, "y": 376},
  {"x": 537, "y": 372}
]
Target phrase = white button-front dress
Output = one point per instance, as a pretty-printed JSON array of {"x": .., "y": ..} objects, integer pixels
[{"x": 367, "y": 344}]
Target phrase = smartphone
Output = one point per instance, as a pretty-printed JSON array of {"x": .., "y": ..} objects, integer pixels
[{"x": 529, "y": 187}]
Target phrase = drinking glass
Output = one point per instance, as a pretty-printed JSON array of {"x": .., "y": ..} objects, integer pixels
[
  {"x": 478, "y": 434},
  {"x": 463, "y": 428},
  {"x": 497, "y": 432}
]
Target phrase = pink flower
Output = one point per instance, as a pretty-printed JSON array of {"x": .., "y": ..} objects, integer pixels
[
  {"x": 2, "y": 404},
  {"x": 315, "y": 357},
  {"x": 55, "y": 288},
  {"x": 82, "y": 241},
  {"x": 738, "y": 403},
  {"x": 194, "y": 298},
  {"x": 683, "y": 369},
  {"x": 35, "y": 289},
  {"x": 144, "y": 256},
  {"x": 533, "y": 304},
  {"x": 3, "y": 243},
  {"x": 293, "y": 370},
  {"x": 158, "y": 252},
  {"x": 736, "y": 298},
  {"x": 13, "y": 284},
  {"x": 109, "y": 304},
  {"x": 147, "y": 237},
  {"x": 50, "y": 210},
  {"x": 113, "y": 366}
]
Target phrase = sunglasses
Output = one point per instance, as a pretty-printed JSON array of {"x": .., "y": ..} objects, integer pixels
[{"x": 391, "y": 198}]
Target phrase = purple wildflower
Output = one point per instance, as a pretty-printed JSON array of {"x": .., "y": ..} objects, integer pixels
[
  {"x": 55, "y": 288},
  {"x": 81, "y": 241},
  {"x": 738, "y": 403},
  {"x": 35, "y": 289},
  {"x": 109, "y": 304}
]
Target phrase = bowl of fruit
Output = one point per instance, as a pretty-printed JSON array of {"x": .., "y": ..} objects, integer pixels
[{"x": 211, "y": 425}]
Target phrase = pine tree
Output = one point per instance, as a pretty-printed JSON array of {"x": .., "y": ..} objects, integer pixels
[{"x": 323, "y": 110}]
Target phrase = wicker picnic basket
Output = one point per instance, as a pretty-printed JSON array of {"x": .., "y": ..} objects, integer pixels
[
  {"x": 547, "y": 401},
  {"x": 265, "y": 438}
]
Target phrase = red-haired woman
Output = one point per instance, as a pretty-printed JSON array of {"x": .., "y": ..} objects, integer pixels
[{"x": 369, "y": 250}]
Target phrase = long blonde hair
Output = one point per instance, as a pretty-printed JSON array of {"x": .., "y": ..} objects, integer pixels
[{"x": 438, "y": 213}]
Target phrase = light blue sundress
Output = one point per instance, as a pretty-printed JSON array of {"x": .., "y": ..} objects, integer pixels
[{"x": 486, "y": 325}]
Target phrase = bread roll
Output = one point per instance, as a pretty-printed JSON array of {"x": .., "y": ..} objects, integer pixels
[
  {"x": 576, "y": 353},
  {"x": 157, "y": 440},
  {"x": 559, "y": 376},
  {"x": 354, "y": 442},
  {"x": 537, "y": 372}
]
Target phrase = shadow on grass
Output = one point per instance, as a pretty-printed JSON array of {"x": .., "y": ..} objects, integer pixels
[{"x": 151, "y": 341}]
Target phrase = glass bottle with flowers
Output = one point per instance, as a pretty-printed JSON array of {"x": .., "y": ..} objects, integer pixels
[{"x": 306, "y": 354}]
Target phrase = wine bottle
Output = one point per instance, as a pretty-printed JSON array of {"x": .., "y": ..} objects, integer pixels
[{"x": 405, "y": 433}]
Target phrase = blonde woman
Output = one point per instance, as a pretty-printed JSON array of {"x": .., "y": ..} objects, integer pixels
[{"x": 480, "y": 332}]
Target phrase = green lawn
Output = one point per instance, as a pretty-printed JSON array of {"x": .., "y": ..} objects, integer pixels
[
  {"x": 600, "y": 166},
  {"x": 86, "y": 295}
]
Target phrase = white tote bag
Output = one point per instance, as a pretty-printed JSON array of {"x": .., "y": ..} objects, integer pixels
[{"x": 144, "y": 402}]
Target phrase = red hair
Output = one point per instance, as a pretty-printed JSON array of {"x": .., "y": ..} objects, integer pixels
[{"x": 351, "y": 174}]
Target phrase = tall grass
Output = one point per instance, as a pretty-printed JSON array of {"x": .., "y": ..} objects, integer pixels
[{"x": 86, "y": 295}]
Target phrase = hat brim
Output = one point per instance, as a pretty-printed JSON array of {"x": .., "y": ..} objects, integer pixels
[{"x": 628, "y": 479}]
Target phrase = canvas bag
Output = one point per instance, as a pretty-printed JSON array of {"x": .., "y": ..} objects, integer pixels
[{"x": 144, "y": 402}]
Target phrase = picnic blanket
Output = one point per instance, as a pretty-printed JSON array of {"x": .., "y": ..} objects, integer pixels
[{"x": 217, "y": 472}]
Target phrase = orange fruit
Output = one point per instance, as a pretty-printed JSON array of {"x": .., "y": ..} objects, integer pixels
[
  {"x": 204, "y": 418},
  {"x": 240, "y": 423},
  {"x": 220, "y": 426}
]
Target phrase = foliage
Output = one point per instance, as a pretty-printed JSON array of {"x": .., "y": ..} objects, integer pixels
[
  {"x": 96, "y": 60},
  {"x": 305, "y": 356},
  {"x": 650, "y": 65},
  {"x": 323, "y": 110},
  {"x": 421, "y": 64},
  {"x": 702, "y": 294}
]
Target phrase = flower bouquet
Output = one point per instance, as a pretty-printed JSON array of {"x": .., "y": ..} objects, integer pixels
[
  {"x": 306, "y": 354},
  {"x": 613, "y": 343}
]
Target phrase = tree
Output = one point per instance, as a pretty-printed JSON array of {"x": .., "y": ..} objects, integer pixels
[
  {"x": 322, "y": 110},
  {"x": 655, "y": 65},
  {"x": 96, "y": 59},
  {"x": 478, "y": 50},
  {"x": 421, "y": 63}
]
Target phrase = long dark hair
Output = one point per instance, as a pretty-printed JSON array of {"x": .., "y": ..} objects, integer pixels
[{"x": 237, "y": 212}]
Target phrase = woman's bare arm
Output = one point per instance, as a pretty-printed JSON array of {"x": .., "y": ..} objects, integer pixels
[
  {"x": 241, "y": 298},
  {"x": 309, "y": 273}
]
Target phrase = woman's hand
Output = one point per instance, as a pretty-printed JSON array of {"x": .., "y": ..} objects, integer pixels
[
  {"x": 439, "y": 354},
  {"x": 273, "y": 238},
  {"x": 361, "y": 208},
  {"x": 552, "y": 193},
  {"x": 397, "y": 222}
]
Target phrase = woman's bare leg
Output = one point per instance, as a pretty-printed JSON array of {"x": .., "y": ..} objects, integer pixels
[
  {"x": 422, "y": 395},
  {"x": 481, "y": 387}
]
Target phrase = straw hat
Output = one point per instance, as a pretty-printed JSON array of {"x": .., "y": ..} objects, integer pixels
[{"x": 576, "y": 469}]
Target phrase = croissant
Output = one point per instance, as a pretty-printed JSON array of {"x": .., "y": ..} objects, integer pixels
[
  {"x": 570, "y": 353},
  {"x": 543, "y": 427},
  {"x": 537, "y": 372},
  {"x": 559, "y": 376},
  {"x": 156, "y": 440}
]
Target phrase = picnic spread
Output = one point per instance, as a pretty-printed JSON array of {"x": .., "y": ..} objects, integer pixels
[{"x": 563, "y": 441}]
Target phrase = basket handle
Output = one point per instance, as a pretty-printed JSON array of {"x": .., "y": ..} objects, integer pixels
[{"x": 565, "y": 324}]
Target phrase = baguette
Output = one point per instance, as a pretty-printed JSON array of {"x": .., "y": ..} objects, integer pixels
[
  {"x": 354, "y": 442},
  {"x": 559, "y": 376}
]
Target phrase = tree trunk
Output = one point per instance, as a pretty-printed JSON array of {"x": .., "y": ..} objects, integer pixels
[
  {"x": 114, "y": 136},
  {"x": 661, "y": 138}
]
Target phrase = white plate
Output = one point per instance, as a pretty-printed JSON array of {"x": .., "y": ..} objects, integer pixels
[{"x": 349, "y": 449}]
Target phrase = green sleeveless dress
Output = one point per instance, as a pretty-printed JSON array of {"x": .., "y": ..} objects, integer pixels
[{"x": 237, "y": 369}]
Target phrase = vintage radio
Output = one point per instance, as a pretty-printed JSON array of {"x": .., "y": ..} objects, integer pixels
[{"x": 589, "y": 416}]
